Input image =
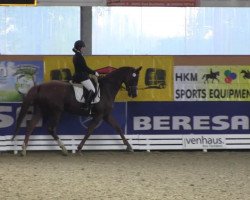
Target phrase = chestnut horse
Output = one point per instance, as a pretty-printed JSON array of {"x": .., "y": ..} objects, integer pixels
[{"x": 51, "y": 99}]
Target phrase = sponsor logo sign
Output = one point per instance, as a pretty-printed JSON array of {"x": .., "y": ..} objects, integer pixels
[
  {"x": 155, "y": 81},
  {"x": 168, "y": 3},
  {"x": 183, "y": 118},
  {"x": 204, "y": 141},
  {"x": 17, "y": 77},
  {"x": 188, "y": 118},
  {"x": 18, "y": 2},
  {"x": 211, "y": 83}
]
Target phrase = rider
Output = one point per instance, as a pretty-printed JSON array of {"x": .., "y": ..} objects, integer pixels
[{"x": 82, "y": 72}]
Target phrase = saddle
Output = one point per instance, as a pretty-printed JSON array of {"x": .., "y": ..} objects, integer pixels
[{"x": 81, "y": 92}]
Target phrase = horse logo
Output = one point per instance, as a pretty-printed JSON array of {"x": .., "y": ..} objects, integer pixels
[
  {"x": 212, "y": 75},
  {"x": 246, "y": 74}
]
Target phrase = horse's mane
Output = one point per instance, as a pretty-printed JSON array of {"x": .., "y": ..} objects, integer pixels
[{"x": 115, "y": 73}]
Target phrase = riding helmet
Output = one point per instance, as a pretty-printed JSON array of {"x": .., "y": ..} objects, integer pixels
[{"x": 79, "y": 44}]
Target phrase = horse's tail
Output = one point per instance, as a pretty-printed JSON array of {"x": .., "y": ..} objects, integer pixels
[{"x": 28, "y": 100}]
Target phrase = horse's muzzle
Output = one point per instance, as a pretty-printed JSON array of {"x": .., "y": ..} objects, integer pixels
[{"x": 132, "y": 91}]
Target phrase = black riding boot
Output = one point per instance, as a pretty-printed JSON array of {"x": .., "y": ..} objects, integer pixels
[{"x": 88, "y": 100}]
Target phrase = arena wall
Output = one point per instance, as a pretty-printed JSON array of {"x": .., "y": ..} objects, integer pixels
[{"x": 156, "y": 120}]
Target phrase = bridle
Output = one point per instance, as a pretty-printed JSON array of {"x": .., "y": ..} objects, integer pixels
[{"x": 131, "y": 87}]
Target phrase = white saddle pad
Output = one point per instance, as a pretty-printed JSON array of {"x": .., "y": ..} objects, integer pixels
[{"x": 78, "y": 88}]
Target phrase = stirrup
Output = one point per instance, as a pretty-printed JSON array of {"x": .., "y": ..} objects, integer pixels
[{"x": 86, "y": 108}]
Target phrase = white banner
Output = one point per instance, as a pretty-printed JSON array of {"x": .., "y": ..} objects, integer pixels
[
  {"x": 211, "y": 83},
  {"x": 204, "y": 142}
]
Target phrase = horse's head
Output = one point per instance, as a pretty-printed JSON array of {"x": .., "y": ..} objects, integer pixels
[{"x": 131, "y": 81}]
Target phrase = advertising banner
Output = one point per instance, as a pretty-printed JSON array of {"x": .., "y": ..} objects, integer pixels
[
  {"x": 72, "y": 3},
  {"x": 211, "y": 83},
  {"x": 155, "y": 81},
  {"x": 17, "y": 77},
  {"x": 188, "y": 118},
  {"x": 204, "y": 141},
  {"x": 69, "y": 124},
  {"x": 224, "y": 3},
  {"x": 18, "y": 3},
  {"x": 167, "y": 3}
]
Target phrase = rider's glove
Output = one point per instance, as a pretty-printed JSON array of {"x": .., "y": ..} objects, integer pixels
[{"x": 97, "y": 74}]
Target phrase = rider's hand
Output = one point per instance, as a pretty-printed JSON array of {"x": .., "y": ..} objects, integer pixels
[{"x": 97, "y": 74}]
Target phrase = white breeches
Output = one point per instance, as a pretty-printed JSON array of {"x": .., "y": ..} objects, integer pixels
[{"x": 88, "y": 85}]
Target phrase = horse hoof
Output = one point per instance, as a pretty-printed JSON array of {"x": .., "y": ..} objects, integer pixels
[
  {"x": 65, "y": 153},
  {"x": 23, "y": 153},
  {"x": 129, "y": 149},
  {"x": 79, "y": 152}
]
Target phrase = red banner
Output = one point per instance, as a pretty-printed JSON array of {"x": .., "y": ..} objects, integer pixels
[{"x": 166, "y": 3}]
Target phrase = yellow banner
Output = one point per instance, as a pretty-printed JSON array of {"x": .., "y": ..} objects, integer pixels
[{"x": 155, "y": 81}]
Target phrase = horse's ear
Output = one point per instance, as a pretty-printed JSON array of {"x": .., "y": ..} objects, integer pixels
[{"x": 138, "y": 69}]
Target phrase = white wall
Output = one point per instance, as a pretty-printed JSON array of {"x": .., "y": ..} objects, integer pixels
[{"x": 171, "y": 31}]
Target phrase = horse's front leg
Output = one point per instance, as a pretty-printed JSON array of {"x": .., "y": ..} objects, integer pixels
[
  {"x": 60, "y": 143},
  {"x": 111, "y": 120},
  {"x": 53, "y": 121},
  {"x": 93, "y": 123}
]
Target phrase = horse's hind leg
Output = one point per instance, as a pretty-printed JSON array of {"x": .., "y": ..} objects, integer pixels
[
  {"x": 111, "y": 120},
  {"x": 93, "y": 123},
  {"x": 53, "y": 122},
  {"x": 30, "y": 127}
]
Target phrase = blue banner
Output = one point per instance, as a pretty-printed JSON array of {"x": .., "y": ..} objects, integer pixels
[
  {"x": 69, "y": 124},
  {"x": 148, "y": 118},
  {"x": 188, "y": 118}
]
